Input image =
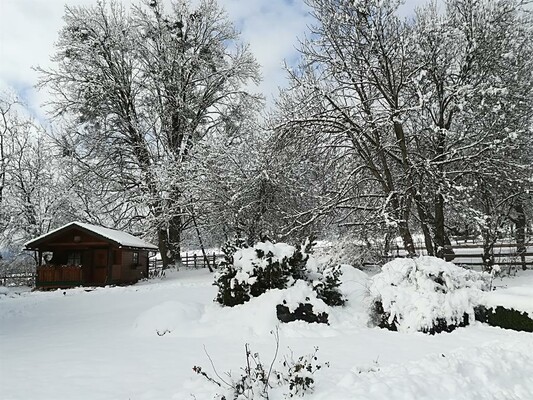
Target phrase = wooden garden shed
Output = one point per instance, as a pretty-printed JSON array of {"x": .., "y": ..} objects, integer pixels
[{"x": 80, "y": 254}]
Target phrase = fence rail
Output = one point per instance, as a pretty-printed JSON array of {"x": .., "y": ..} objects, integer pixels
[
  {"x": 198, "y": 261},
  {"x": 188, "y": 260},
  {"x": 471, "y": 254},
  {"x": 18, "y": 279}
]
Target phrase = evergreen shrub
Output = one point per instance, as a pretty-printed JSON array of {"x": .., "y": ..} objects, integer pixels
[{"x": 248, "y": 272}]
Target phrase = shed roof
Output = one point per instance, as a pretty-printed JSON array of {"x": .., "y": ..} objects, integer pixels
[{"x": 119, "y": 237}]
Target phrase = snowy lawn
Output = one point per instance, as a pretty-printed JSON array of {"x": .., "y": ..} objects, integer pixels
[
  {"x": 141, "y": 342},
  {"x": 515, "y": 293}
]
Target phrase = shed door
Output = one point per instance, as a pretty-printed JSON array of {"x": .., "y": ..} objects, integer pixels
[{"x": 100, "y": 266}]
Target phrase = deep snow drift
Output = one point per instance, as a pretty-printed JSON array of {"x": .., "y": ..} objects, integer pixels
[{"x": 141, "y": 342}]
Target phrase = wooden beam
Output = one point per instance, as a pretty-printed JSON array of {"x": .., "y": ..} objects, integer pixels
[{"x": 109, "y": 277}]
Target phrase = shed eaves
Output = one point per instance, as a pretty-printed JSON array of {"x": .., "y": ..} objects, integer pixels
[{"x": 120, "y": 237}]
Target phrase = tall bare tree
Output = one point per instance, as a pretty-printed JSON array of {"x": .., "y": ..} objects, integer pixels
[
  {"x": 34, "y": 196},
  {"x": 416, "y": 108},
  {"x": 144, "y": 86}
]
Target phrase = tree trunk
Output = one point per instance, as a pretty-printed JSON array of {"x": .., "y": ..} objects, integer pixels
[
  {"x": 401, "y": 215},
  {"x": 169, "y": 237},
  {"x": 206, "y": 259},
  {"x": 520, "y": 234},
  {"x": 407, "y": 239},
  {"x": 386, "y": 245},
  {"x": 424, "y": 218},
  {"x": 488, "y": 251},
  {"x": 443, "y": 247}
]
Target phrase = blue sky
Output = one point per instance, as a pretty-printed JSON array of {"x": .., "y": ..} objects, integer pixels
[{"x": 28, "y": 29}]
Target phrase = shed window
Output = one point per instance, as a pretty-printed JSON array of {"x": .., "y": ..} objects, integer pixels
[
  {"x": 135, "y": 258},
  {"x": 74, "y": 258}
]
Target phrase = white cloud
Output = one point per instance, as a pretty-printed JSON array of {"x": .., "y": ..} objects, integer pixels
[
  {"x": 29, "y": 28},
  {"x": 272, "y": 28}
]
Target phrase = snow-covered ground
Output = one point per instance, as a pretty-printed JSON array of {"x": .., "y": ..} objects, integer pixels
[
  {"x": 141, "y": 342},
  {"x": 515, "y": 293}
]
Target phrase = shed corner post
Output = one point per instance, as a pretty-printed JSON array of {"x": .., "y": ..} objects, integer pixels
[
  {"x": 39, "y": 262},
  {"x": 109, "y": 278},
  {"x": 147, "y": 271}
]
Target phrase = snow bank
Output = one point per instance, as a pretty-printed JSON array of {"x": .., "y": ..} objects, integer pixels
[
  {"x": 515, "y": 298},
  {"x": 103, "y": 344},
  {"x": 256, "y": 317},
  {"x": 4, "y": 291},
  {"x": 354, "y": 284},
  {"x": 416, "y": 293},
  {"x": 167, "y": 317},
  {"x": 490, "y": 372}
]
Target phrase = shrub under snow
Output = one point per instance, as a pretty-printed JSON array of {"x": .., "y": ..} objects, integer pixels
[
  {"x": 251, "y": 271},
  {"x": 424, "y": 294}
]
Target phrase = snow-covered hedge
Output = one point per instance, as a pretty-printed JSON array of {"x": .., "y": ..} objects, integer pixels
[
  {"x": 509, "y": 308},
  {"x": 507, "y": 318},
  {"x": 425, "y": 294},
  {"x": 251, "y": 271}
]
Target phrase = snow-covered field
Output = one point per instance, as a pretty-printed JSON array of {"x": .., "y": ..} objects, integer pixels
[{"x": 141, "y": 342}]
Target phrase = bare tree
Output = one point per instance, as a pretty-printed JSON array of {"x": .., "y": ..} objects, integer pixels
[
  {"x": 144, "y": 87},
  {"x": 350, "y": 88},
  {"x": 417, "y": 110},
  {"x": 34, "y": 196}
]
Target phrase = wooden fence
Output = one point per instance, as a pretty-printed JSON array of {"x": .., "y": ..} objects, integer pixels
[
  {"x": 18, "y": 279},
  {"x": 198, "y": 261},
  {"x": 471, "y": 254},
  {"x": 192, "y": 260}
]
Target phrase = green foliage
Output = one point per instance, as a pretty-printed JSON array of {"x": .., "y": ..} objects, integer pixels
[
  {"x": 275, "y": 275},
  {"x": 327, "y": 289},
  {"x": 505, "y": 318},
  {"x": 268, "y": 271},
  {"x": 231, "y": 292},
  {"x": 304, "y": 312},
  {"x": 380, "y": 318}
]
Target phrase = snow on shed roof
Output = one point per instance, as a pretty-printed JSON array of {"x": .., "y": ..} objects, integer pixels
[{"x": 120, "y": 237}]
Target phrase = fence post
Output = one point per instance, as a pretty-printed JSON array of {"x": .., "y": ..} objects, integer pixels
[
  {"x": 214, "y": 264},
  {"x": 194, "y": 257}
]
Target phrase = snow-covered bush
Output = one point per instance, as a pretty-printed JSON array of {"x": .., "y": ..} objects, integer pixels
[
  {"x": 424, "y": 294},
  {"x": 507, "y": 318},
  {"x": 251, "y": 271},
  {"x": 300, "y": 302},
  {"x": 303, "y": 312},
  {"x": 508, "y": 308},
  {"x": 327, "y": 287}
]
